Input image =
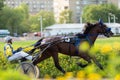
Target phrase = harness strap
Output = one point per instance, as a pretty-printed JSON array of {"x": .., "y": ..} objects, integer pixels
[
  {"x": 90, "y": 42},
  {"x": 70, "y": 53}
]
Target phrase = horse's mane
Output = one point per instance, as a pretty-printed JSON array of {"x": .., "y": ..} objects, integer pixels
[
  {"x": 86, "y": 30},
  {"x": 88, "y": 27}
]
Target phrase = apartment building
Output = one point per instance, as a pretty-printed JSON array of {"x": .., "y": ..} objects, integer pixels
[
  {"x": 76, "y": 6},
  {"x": 34, "y": 5},
  {"x": 59, "y": 6},
  {"x": 116, "y": 2}
]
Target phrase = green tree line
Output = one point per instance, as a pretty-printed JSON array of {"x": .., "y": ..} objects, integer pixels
[
  {"x": 92, "y": 13},
  {"x": 18, "y": 20}
]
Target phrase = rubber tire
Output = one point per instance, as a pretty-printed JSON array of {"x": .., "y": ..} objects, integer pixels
[
  {"x": 31, "y": 69},
  {"x": 37, "y": 71}
]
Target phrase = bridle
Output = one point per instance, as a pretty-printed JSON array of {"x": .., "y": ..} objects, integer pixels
[{"x": 105, "y": 30}]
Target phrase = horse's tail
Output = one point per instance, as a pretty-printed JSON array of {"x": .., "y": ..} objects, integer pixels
[
  {"x": 97, "y": 62},
  {"x": 36, "y": 45}
]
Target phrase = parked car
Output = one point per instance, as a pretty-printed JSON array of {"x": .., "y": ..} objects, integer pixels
[
  {"x": 4, "y": 32},
  {"x": 37, "y": 34},
  {"x": 25, "y": 34}
]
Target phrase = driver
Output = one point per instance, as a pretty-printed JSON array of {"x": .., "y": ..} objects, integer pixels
[{"x": 11, "y": 54}]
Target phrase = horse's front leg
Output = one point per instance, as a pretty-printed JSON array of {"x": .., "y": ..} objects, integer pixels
[
  {"x": 97, "y": 62},
  {"x": 56, "y": 61},
  {"x": 86, "y": 57}
]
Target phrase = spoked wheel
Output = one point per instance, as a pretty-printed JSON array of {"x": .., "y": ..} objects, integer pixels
[{"x": 28, "y": 69}]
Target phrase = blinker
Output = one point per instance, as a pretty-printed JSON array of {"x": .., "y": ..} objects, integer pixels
[{"x": 108, "y": 29}]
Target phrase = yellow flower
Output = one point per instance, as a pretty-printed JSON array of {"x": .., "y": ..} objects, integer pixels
[
  {"x": 117, "y": 77},
  {"x": 94, "y": 76},
  {"x": 116, "y": 46},
  {"x": 81, "y": 75},
  {"x": 106, "y": 49},
  {"x": 69, "y": 75},
  {"x": 60, "y": 78},
  {"x": 47, "y": 77},
  {"x": 27, "y": 49},
  {"x": 94, "y": 49},
  {"x": 84, "y": 46}
]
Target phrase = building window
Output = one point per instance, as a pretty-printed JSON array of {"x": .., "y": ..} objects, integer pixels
[
  {"x": 48, "y": 2},
  {"x": 66, "y": 7},
  {"x": 117, "y": 30},
  {"x": 77, "y": 2},
  {"x": 42, "y": 6},
  {"x": 85, "y": 2},
  {"x": 33, "y": 2},
  {"x": 34, "y": 6},
  {"x": 78, "y": 12},
  {"x": 38, "y": 2},
  {"x": 78, "y": 7},
  {"x": 30, "y": 3},
  {"x": 8, "y": 2},
  {"x": 66, "y": 0}
]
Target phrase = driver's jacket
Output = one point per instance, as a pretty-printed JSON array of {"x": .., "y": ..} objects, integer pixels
[{"x": 8, "y": 50}]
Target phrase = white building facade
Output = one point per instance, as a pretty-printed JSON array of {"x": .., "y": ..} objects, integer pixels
[{"x": 64, "y": 29}]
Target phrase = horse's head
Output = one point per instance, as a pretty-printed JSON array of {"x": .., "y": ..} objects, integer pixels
[
  {"x": 99, "y": 27},
  {"x": 103, "y": 29}
]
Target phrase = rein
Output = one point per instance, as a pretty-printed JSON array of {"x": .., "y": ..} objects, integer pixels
[{"x": 90, "y": 42}]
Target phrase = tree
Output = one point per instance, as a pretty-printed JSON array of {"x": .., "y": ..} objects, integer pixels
[
  {"x": 92, "y": 13},
  {"x": 24, "y": 25},
  {"x": 5, "y": 18},
  {"x": 14, "y": 19},
  {"x": 1, "y": 4},
  {"x": 47, "y": 19},
  {"x": 65, "y": 16}
]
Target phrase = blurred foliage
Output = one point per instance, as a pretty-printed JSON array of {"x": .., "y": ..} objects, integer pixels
[
  {"x": 92, "y": 13},
  {"x": 13, "y": 18},
  {"x": 47, "y": 20},
  {"x": 12, "y": 75},
  {"x": 1, "y": 4},
  {"x": 18, "y": 20},
  {"x": 65, "y": 16}
]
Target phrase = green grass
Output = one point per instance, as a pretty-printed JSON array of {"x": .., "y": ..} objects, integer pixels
[
  {"x": 107, "y": 40},
  {"x": 17, "y": 44}
]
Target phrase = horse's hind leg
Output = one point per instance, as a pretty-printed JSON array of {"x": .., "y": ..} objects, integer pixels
[{"x": 56, "y": 61}]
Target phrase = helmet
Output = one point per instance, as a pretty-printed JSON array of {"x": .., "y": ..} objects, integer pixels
[{"x": 7, "y": 38}]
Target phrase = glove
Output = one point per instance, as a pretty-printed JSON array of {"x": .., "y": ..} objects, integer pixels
[{"x": 19, "y": 49}]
